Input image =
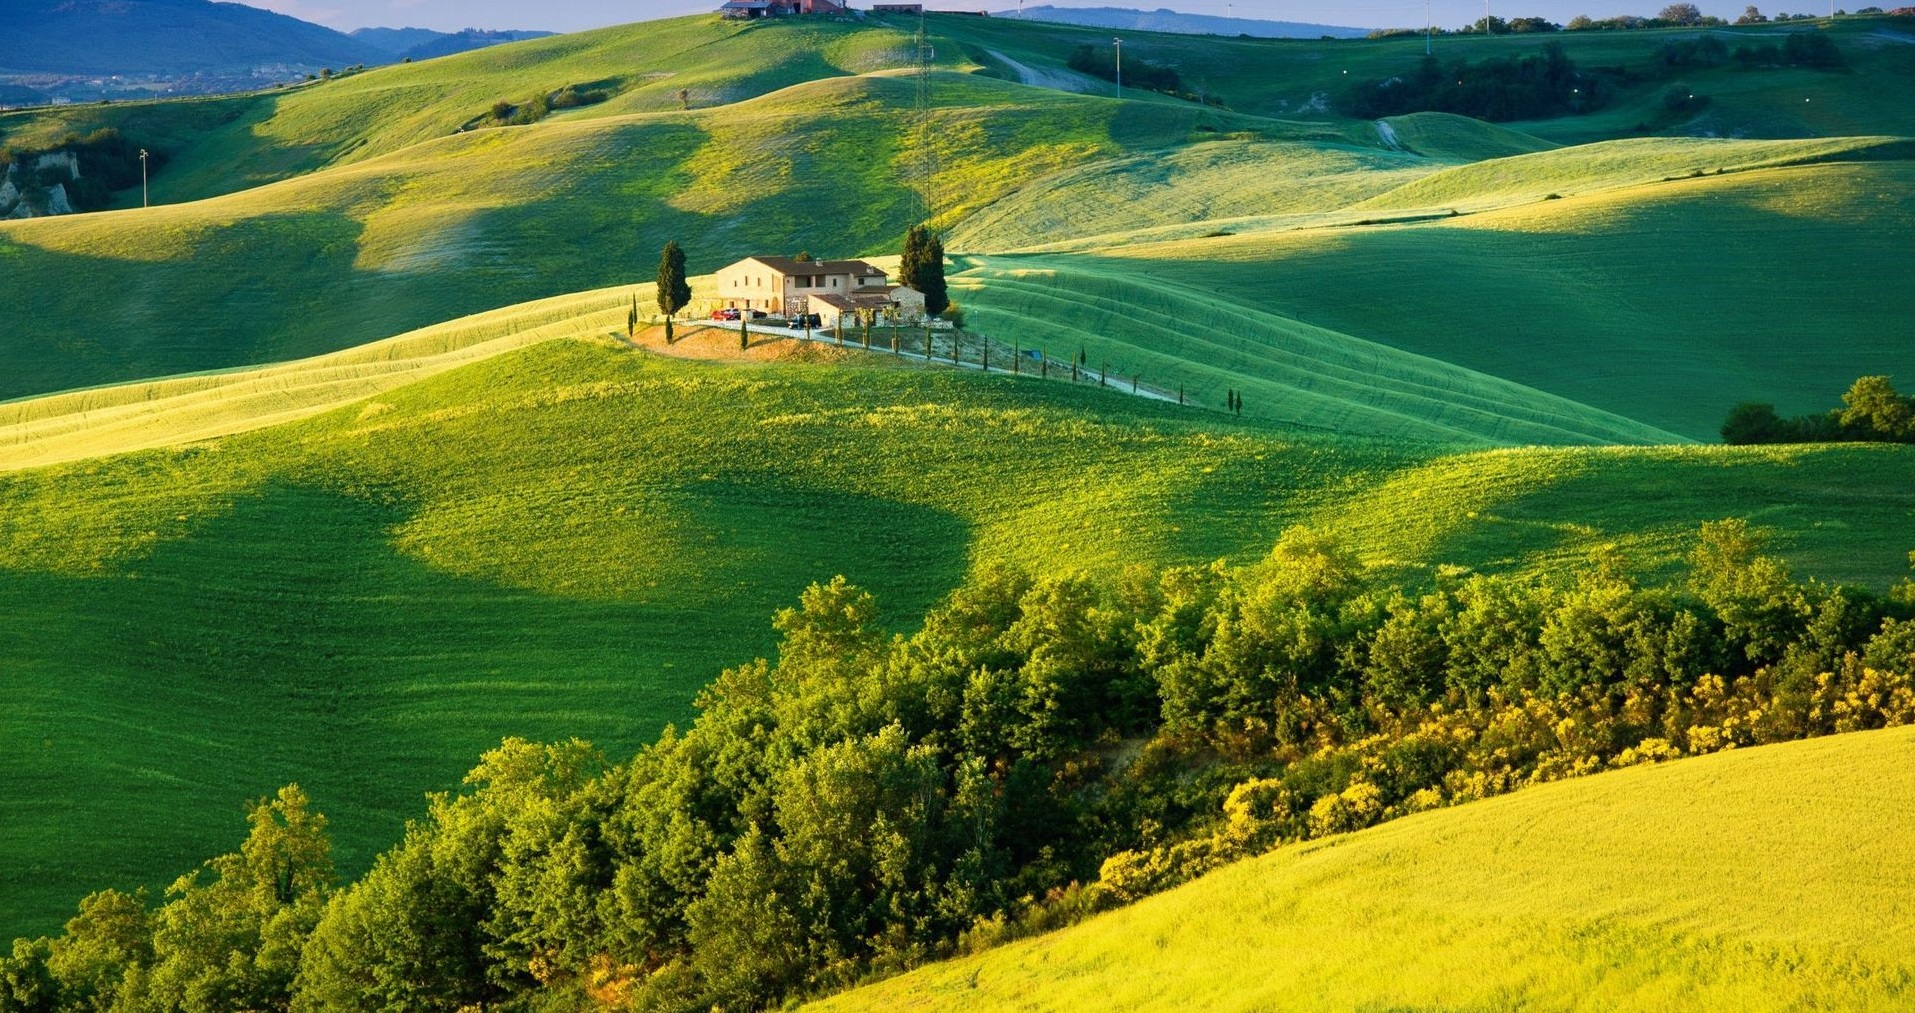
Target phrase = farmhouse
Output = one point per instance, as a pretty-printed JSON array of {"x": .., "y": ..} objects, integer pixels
[
  {"x": 829, "y": 288},
  {"x": 746, "y": 9}
]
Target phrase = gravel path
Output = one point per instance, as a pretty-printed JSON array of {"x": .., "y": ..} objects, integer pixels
[{"x": 1059, "y": 80}]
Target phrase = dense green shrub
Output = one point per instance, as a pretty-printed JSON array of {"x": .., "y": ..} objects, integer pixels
[
  {"x": 1535, "y": 86},
  {"x": 1798, "y": 49},
  {"x": 1872, "y": 411}
]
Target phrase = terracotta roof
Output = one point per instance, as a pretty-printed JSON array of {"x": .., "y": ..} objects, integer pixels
[
  {"x": 788, "y": 266},
  {"x": 870, "y": 298}
]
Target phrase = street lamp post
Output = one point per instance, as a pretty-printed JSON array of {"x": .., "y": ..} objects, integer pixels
[
  {"x": 1119, "y": 44},
  {"x": 146, "y": 200}
]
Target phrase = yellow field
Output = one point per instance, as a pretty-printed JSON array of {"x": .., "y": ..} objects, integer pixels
[{"x": 1765, "y": 879}]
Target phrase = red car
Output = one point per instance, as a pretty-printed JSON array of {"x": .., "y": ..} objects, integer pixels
[{"x": 728, "y": 313}]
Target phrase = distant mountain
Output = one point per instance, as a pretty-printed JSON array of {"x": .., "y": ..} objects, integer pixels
[
  {"x": 424, "y": 43},
  {"x": 174, "y": 38},
  {"x": 395, "y": 41},
  {"x": 1128, "y": 19}
]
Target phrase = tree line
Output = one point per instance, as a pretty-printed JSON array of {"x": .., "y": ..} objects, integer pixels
[
  {"x": 1039, "y": 748},
  {"x": 1679, "y": 15},
  {"x": 1872, "y": 411},
  {"x": 1498, "y": 89}
]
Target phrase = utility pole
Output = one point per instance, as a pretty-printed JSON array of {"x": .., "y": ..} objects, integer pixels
[
  {"x": 146, "y": 198},
  {"x": 1429, "y": 26},
  {"x": 1119, "y": 44},
  {"x": 1487, "y": 28}
]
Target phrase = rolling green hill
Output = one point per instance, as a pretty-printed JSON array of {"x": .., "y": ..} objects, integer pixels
[
  {"x": 218, "y": 146},
  {"x": 1274, "y": 244},
  {"x": 486, "y": 219},
  {"x": 221, "y": 145},
  {"x": 1658, "y": 304},
  {"x": 563, "y": 537},
  {"x": 359, "y": 568},
  {"x": 1287, "y": 78},
  {"x": 496, "y": 217},
  {"x": 1758, "y": 879}
]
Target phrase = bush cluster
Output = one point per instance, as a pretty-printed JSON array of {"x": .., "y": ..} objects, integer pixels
[
  {"x": 1872, "y": 412},
  {"x": 1798, "y": 49},
  {"x": 1037, "y": 750},
  {"x": 1498, "y": 89},
  {"x": 507, "y": 114}
]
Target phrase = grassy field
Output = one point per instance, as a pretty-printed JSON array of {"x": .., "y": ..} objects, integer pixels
[
  {"x": 221, "y": 145},
  {"x": 1284, "y": 312},
  {"x": 360, "y": 568},
  {"x": 1293, "y": 77},
  {"x": 569, "y": 538},
  {"x": 1658, "y": 304},
  {"x": 1769, "y": 878},
  {"x": 493, "y": 218},
  {"x": 1272, "y": 248}
]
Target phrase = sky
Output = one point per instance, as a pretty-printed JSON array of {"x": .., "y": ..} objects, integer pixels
[{"x": 573, "y": 15}]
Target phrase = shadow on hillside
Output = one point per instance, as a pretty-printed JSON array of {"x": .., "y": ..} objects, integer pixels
[{"x": 288, "y": 640}]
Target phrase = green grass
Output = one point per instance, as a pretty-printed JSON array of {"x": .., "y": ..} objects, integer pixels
[
  {"x": 569, "y": 538},
  {"x": 1196, "y": 337},
  {"x": 1614, "y": 165},
  {"x": 410, "y": 226},
  {"x": 1290, "y": 78},
  {"x": 221, "y": 145},
  {"x": 1442, "y": 135},
  {"x": 1770, "y": 878},
  {"x": 1661, "y": 304},
  {"x": 218, "y": 146},
  {"x": 1202, "y": 187}
]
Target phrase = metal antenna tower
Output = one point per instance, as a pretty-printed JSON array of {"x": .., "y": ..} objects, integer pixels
[{"x": 927, "y": 150}]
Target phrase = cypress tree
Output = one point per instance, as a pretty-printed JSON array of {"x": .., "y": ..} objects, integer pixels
[
  {"x": 922, "y": 268},
  {"x": 937, "y": 297},
  {"x": 673, "y": 291},
  {"x": 911, "y": 263}
]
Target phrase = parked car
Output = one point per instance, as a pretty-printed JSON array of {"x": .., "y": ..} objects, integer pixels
[
  {"x": 808, "y": 320},
  {"x": 727, "y": 313},
  {"x": 757, "y": 315}
]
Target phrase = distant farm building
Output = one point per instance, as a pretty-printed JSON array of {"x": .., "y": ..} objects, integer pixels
[
  {"x": 829, "y": 288},
  {"x": 750, "y": 9},
  {"x": 897, "y": 8}
]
